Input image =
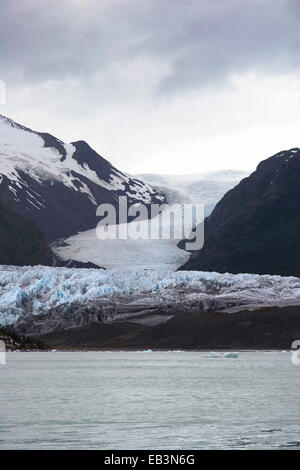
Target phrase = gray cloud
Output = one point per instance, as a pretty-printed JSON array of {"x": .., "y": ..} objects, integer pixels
[
  {"x": 147, "y": 82},
  {"x": 201, "y": 42}
]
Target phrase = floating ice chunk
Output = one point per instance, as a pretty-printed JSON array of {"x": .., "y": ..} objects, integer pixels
[
  {"x": 232, "y": 355},
  {"x": 213, "y": 354}
]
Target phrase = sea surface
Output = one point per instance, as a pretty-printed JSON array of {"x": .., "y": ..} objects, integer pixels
[{"x": 149, "y": 400}]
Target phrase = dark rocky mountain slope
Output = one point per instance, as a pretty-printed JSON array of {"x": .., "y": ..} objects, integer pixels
[
  {"x": 21, "y": 242},
  {"x": 255, "y": 228}
]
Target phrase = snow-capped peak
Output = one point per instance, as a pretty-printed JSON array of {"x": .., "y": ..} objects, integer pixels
[{"x": 31, "y": 163}]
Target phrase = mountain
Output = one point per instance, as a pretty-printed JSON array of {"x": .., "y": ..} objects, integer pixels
[
  {"x": 255, "y": 228},
  {"x": 21, "y": 242},
  {"x": 59, "y": 186}
]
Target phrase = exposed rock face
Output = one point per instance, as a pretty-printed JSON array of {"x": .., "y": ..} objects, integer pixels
[
  {"x": 255, "y": 228},
  {"x": 59, "y": 186}
]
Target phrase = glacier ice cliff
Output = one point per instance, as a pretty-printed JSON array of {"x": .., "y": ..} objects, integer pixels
[{"x": 43, "y": 298}]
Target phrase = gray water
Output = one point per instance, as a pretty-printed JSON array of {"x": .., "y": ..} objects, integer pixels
[{"x": 159, "y": 400}]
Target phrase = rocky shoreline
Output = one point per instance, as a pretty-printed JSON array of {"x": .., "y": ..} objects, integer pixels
[{"x": 14, "y": 341}]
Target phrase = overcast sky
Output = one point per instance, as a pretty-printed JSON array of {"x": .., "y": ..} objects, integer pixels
[{"x": 164, "y": 86}]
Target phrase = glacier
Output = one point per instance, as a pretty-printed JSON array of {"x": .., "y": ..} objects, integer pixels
[
  {"x": 102, "y": 249},
  {"x": 51, "y": 292},
  {"x": 203, "y": 189}
]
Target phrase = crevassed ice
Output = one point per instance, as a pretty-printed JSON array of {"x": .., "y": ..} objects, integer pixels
[{"x": 39, "y": 289}]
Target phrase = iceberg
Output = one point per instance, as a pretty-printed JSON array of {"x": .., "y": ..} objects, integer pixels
[
  {"x": 232, "y": 355},
  {"x": 214, "y": 355}
]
